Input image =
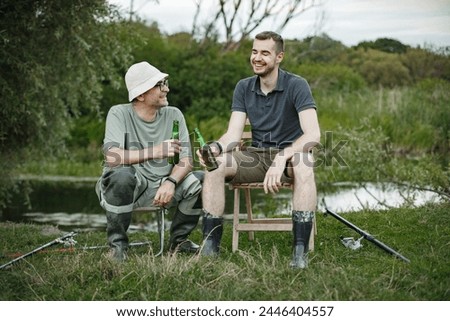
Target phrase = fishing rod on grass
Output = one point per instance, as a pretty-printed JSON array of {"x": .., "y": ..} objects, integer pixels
[
  {"x": 65, "y": 239},
  {"x": 69, "y": 244},
  {"x": 350, "y": 243}
]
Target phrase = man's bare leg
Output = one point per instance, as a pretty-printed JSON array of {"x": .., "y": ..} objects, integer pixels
[
  {"x": 213, "y": 196},
  {"x": 305, "y": 194},
  {"x": 304, "y": 201}
]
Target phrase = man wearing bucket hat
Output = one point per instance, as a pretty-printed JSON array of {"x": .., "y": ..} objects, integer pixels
[{"x": 137, "y": 145}]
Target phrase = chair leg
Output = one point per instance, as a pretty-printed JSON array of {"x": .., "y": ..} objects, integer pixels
[
  {"x": 161, "y": 214},
  {"x": 248, "y": 206},
  {"x": 235, "y": 241}
]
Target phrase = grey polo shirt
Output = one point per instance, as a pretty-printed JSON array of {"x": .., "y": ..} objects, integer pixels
[{"x": 274, "y": 117}]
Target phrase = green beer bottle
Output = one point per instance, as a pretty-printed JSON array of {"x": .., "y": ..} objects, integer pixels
[
  {"x": 175, "y": 135},
  {"x": 205, "y": 150}
]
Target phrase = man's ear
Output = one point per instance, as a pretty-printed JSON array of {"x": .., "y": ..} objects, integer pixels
[
  {"x": 140, "y": 97},
  {"x": 280, "y": 57}
]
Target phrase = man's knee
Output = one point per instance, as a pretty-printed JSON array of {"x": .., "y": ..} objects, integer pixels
[
  {"x": 199, "y": 175},
  {"x": 191, "y": 186},
  {"x": 303, "y": 166},
  {"x": 119, "y": 185},
  {"x": 226, "y": 170},
  {"x": 190, "y": 202},
  {"x": 120, "y": 176}
]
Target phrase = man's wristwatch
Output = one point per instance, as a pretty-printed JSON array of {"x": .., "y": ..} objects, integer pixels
[
  {"x": 172, "y": 180},
  {"x": 219, "y": 146}
]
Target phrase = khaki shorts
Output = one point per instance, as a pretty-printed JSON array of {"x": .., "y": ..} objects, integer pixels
[{"x": 253, "y": 164}]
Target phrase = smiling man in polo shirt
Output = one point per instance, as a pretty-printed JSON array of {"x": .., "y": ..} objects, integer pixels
[{"x": 285, "y": 128}]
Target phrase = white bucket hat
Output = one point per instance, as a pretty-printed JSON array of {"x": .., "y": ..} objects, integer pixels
[{"x": 141, "y": 77}]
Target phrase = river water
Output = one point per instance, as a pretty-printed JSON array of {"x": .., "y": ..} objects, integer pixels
[{"x": 71, "y": 203}]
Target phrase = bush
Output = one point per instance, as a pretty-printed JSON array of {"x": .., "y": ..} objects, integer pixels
[
  {"x": 379, "y": 68},
  {"x": 423, "y": 64},
  {"x": 422, "y": 118},
  {"x": 330, "y": 77},
  {"x": 367, "y": 155}
]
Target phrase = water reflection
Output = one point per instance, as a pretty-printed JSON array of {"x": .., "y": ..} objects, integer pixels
[
  {"x": 71, "y": 204},
  {"x": 355, "y": 197}
]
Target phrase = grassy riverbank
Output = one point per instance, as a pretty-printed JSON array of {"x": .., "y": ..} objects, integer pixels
[{"x": 259, "y": 271}]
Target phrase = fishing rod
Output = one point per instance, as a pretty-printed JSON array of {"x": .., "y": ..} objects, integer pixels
[
  {"x": 132, "y": 244},
  {"x": 366, "y": 235},
  {"x": 74, "y": 248},
  {"x": 66, "y": 239}
]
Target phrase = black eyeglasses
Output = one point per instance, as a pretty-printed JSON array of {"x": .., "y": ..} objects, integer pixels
[{"x": 162, "y": 84}]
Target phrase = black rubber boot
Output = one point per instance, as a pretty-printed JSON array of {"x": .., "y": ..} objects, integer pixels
[
  {"x": 301, "y": 230},
  {"x": 181, "y": 228},
  {"x": 212, "y": 234},
  {"x": 116, "y": 231}
]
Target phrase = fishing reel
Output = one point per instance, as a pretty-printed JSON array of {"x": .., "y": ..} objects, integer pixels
[
  {"x": 351, "y": 243},
  {"x": 68, "y": 241}
]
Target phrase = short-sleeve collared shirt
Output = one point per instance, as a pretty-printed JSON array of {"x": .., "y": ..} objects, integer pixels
[
  {"x": 274, "y": 117},
  {"x": 125, "y": 129}
]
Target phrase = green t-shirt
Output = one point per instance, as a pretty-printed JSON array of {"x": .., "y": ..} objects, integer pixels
[{"x": 125, "y": 129}]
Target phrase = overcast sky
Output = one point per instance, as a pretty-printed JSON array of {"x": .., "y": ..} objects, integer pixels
[{"x": 413, "y": 22}]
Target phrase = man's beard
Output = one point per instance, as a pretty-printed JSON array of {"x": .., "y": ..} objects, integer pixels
[{"x": 265, "y": 72}]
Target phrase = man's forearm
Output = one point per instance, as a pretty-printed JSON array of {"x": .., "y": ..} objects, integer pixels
[
  {"x": 180, "y": 170},
  {"x": 228, "y": 142},
  {"x": 118, "y": 156}
]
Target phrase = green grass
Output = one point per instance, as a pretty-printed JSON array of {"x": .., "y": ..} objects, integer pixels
[{"x": 258, "y": 271}]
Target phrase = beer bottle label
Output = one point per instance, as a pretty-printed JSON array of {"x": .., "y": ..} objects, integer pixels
[{"x": 175, "y": 135}]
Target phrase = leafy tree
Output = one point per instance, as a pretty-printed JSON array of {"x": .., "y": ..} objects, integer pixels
[
  {"x": 53, "y": 58},
  {"x": 317, "y": 49},
  {"x": 384, "y": 44}
]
